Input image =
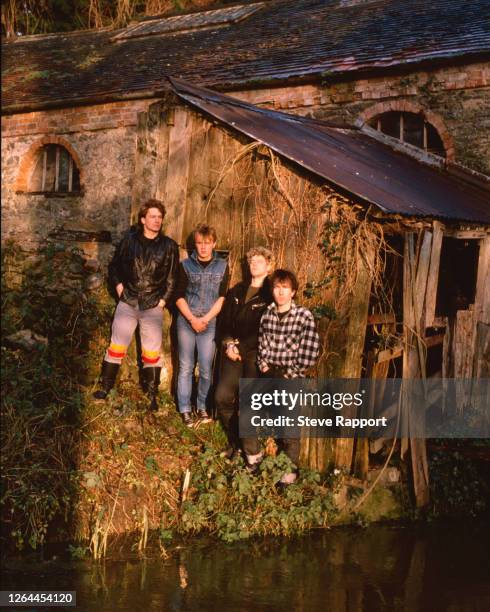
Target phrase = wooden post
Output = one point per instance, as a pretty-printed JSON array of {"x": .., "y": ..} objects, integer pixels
[
  {"x": 482, "y": 296},
  {"x": 354, "y": 339},
  {"x": 415, "y": 282},
  {"x": 378, "y": 371},
  {"x": 178, "y": 172},
  {"x": 481, "y": 361},
  {"x": 481, "y": 330},
  {"x": 433, "y": 277}
]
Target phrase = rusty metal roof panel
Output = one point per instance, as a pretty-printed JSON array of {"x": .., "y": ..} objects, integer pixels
[
  {"x": 366, "y": 168},
  {"x": 284, "y": 39}
]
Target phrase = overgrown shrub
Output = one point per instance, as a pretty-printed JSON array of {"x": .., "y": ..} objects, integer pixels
[
  {"x": 42, "y": 395},
  {"x": 228, "y": 501}
]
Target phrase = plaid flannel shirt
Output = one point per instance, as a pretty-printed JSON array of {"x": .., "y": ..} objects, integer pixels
[{"x": 291, "y": 343}]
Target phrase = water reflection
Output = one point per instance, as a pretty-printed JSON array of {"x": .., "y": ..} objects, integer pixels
[{"x": 437, "y": 568}]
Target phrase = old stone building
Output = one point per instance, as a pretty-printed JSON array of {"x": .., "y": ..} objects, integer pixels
[
  {"x": 414, "y": 70},
  {"x": 392, "y": 98}
]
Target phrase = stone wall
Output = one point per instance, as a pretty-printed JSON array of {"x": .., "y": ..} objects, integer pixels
[
  {"x": 454, "y": 99},
  {"x": 102, "y": 141}
]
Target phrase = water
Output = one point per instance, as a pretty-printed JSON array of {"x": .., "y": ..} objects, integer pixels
[{"x": 417, "y": 568}]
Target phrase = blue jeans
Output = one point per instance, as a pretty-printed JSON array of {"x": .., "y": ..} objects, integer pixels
[{"x": 188, "y": 342}]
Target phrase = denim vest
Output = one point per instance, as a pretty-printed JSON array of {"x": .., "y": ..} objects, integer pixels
[{"x": 203, "y": 288}]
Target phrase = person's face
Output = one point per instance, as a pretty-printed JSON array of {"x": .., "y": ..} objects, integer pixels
[
  {"x": 204, "y": 247},
  {"x": 153, "y": 220},
  {"x": 283, "y": 293},
  {"x": 259, "y": 266}
]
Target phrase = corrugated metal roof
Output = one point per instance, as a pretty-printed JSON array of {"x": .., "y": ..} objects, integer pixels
[
  {"x": 285, "y": 39},
  {"x": 351, "y": 159}
]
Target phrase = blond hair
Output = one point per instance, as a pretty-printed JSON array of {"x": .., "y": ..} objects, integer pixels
[
  {"x": 207, "y": 231},
  {"x": 260, "y": 251}
]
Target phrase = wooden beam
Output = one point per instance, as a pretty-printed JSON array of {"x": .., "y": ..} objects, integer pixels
[
  {"x": 178, "y": 172},
  {"x": 481, "y": 361},
  {"x": 463, "y": 351},
  {"x": 433, "y": 277},
  {"x": 380, "y": 319},
  {"x": 434, "y": 340},
  {"x": 439, "y": 322},
  {"x": 420, "y": 288},
  {"x": 414, "y": 273},
  {"x": 475, "y": 234},
  {"x": 355, "y": 337},
  {"x": 389, "y": 354},
  {"x": 420, "y": 471},
  {"x": 482, "y": 296},
  {"x": 379, "y": 372},
  {"x": 409, "y": 363}
]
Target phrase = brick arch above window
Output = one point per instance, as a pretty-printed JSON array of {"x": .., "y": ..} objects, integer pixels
[
  {"x": 413, "y": 107},
  {"x": 30, "y": 158}
]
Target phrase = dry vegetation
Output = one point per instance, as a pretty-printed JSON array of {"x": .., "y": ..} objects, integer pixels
[{"x": 324, "y": 237}]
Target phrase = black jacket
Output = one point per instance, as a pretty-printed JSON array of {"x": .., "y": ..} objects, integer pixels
[
  {"x": 239, "y": 319},
  {"x": 147, "y": 268}
]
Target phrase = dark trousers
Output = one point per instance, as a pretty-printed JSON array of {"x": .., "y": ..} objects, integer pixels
[
  {"x": 291, "y": 446},
  {"x": 226, "y": 398}
]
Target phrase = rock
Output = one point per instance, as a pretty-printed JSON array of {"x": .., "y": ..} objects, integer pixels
[
  {"x": 340, "y": 497},
  {"x": 75, "y": 269},
  {"x": 93, "y": 282},
  {"x": 26, "y": 339},
  {"x": 92, "y": 480},
  {"x": 382, "y": 504},
  {"x": 391, "y": 475},
  {"x": 92, "y": 265},
  {"x": 38, "y": 273}
]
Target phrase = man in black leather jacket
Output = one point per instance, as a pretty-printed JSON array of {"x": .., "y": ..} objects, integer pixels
[
  {"x": 238, "y": 330},
  {"x": 143, "y": 272}
]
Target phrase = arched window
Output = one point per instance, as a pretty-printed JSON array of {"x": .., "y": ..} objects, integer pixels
[
  {"x": 412, "y": 128},
  {"x": 54, "y": 171}
]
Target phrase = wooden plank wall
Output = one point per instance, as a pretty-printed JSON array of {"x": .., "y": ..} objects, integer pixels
[
  {"x": 354, "y": 341},
  {"x": 481, "y": 343},
  {"x": 173, "y": 183},
  {"x": 181, "y": 155}
]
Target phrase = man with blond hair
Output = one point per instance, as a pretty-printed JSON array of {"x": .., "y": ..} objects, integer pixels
[
  {"x": 201, "y": 290},
  {"x": 238, "y": 330}
]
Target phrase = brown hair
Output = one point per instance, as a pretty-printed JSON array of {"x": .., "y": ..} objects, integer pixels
[
  {"x": 205, "y": 230},
  {"x": 151, "y": 203},
  {"x": 284, "y": 276}
]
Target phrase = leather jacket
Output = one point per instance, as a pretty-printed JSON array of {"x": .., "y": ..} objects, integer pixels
[
  {"x": 147, "y": 268},
  {"x": 240, "y": 320}
]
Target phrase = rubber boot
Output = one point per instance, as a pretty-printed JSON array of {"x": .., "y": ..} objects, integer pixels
[
  {"x": 151, "y": 377},
  {"x": 107, "y": 379}
]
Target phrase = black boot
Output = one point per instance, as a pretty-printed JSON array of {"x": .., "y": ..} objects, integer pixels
[
  {"x": 151, "y": 378},
  {"x": 107, "y": 379}
]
